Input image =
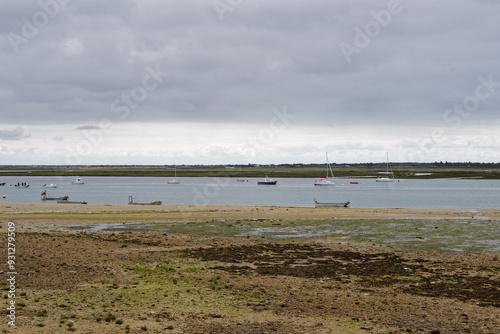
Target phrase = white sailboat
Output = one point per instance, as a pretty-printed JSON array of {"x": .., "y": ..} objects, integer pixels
[
  {"x": 386, "y": 176},
  {"x": 174, "y": 181},
  {"x": 324, "y": 181}
]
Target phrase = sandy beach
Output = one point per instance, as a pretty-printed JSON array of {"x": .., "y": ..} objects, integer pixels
[
  {"x": 157, "y": 282},
  {"x": 53, "y": 214}
]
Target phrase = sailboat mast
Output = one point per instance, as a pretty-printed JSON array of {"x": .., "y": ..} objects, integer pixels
[
  {"x": 323, "y": 181},
  {"x": 387, "y": 165},
  {"x": 328, "y": 167},
  {"x": 327, "y": 164}
]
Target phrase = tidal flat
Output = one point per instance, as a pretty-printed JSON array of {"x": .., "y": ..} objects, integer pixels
[
  {"x": 432, "y": 235},
  {"x": 116, "y": 269}
]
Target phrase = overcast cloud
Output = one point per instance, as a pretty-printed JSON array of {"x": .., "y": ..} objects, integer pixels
[{"x": 240, "y": 81}]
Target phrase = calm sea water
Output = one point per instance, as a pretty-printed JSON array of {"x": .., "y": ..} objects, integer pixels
[{"x": 414, "y": 193}]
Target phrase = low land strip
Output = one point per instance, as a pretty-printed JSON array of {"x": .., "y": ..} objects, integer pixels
[{"x": 400, "y": 170}]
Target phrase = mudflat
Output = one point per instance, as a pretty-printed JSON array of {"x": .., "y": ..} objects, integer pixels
[
  {"x": 69, "y": 278},
  {"x": 52, "y": 214}
]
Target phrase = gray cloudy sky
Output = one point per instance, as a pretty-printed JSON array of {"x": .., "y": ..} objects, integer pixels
[{"x": 248, "y": 81}]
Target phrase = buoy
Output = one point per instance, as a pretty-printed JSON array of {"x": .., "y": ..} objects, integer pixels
[{"x": 3, "y": 196}]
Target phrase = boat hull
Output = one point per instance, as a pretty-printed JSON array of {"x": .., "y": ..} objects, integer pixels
[
  {"x": 78, "y": 181},
  {"x": 48, "y": 198},
  {"x": 331, "y": 204},
  {"x": 268, "y": 183},
  {"x": 151, "y": 203},
  {"x": 324, "y": 183},
  {"x": 133, "y": 201},
  {"x": 384, "y": 180},
  {"x": 70, "y": 202}
]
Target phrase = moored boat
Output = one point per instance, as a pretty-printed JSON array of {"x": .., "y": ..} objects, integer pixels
[
  {"x": 78, "y": 180},
  {"x": 386, "y": 176},
  {"x": 47, "y": 197},
  {"x": 62, "y": 201},
  {"x": 267, "y": 181},
  {"x": 324, "y": 180},
  {"x": 331, "y": 204},
  {"x": 133, "y": 201},
  {"x": 174, "y": 181}
]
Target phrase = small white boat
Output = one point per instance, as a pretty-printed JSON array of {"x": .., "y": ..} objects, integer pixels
[
  {"x": 267, "y": 181},
  {"x": 324, "y": 181},
  {"x": 78, "y": 180},
  {"x": 50, "y": 185}
]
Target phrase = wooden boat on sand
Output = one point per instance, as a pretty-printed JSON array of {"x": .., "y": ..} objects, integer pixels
[
  {"x": 47, "y": 197},
  {"x": 69, "y": 202},
  {"x": 331, "y": 204},
  {"x": 133, "y": 201}
]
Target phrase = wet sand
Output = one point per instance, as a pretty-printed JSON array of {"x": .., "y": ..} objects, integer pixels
[
  {"x": 53, "y": 214},
  {"x": 136, "y": 282}
]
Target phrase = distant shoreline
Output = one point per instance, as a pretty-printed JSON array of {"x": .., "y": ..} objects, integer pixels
[{"x": 400, "y": 170}]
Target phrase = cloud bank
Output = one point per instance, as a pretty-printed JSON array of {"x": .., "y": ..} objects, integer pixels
[{"x": 200, "y": 81}]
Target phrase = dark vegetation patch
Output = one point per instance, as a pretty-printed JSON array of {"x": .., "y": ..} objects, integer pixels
[{"x": 419, "y": 277}]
